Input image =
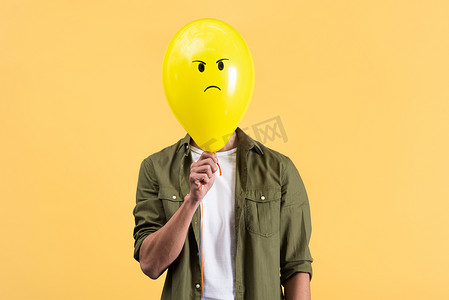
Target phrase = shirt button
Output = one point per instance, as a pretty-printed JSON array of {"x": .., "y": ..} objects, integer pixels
[
  {"x": 262, "y": 197},
  {"x": 174, "y": 197},
  {"x": 197, "y": 285}
]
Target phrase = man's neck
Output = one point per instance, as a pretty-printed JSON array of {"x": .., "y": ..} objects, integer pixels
[{"x": 231, "y": 144}]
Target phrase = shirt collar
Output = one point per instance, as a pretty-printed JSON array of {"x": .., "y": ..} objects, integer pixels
[{"x": 245, "y": 141}]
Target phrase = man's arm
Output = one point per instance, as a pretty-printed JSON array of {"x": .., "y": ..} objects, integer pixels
[
  {"x": 161, "y": 248},
  {"x": 297, "y": 287},
  {"x": 296, "y": 229},
  {"x": 163, "y": 242}
]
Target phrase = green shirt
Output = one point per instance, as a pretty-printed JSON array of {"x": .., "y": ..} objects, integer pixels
[{"x": 272, "y": 219}]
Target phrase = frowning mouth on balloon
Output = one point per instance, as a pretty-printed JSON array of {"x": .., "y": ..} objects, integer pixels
[{"x": 212, "y": 86}]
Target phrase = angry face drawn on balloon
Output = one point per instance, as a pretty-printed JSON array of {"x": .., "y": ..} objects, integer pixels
[{"x": 208, "y": 79}]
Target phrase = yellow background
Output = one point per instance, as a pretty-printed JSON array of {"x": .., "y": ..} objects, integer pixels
[{"x": 361, "y": 88}]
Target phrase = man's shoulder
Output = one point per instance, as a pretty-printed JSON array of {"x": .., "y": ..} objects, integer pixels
[
  {"x": 269, "y": 154},
  {"x": 165, "y": 154}
]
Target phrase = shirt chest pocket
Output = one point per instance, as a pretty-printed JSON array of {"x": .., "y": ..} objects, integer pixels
[
  {"x": 171, "y": 200},
  {"x": 262, "y": 210}
]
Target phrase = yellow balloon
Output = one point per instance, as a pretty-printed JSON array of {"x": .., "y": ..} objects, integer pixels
[{"x": 208, "y": 79}]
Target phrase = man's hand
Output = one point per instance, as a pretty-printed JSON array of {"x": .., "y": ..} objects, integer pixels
[{"x": 202, "y": 172}]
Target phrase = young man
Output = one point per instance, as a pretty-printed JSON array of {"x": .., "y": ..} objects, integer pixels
[{"x": 255, "y": 216}]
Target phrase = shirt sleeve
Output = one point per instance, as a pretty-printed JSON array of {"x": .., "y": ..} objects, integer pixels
[
  {"x": 296, "y": 225},
  {"x": 149, "y": 212}
]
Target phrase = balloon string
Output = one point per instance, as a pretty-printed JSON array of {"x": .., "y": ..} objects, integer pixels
[
  {"x": 218, "y": 163},
  {"x": 201, "y": 239},
  {"x": 202, "y": 280}
]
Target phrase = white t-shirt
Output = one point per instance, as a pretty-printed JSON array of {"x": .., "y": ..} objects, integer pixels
[{"x": 219, "y": 229}]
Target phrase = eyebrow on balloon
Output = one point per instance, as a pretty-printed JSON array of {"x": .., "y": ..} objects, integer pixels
[
  {"x": 199, "y": 61},
  {"x": 221, "y": 60}
]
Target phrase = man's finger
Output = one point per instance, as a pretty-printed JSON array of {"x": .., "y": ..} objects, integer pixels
[
  {"x": 204, "y": 162},
  {"x": 207, "y": 154}
]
